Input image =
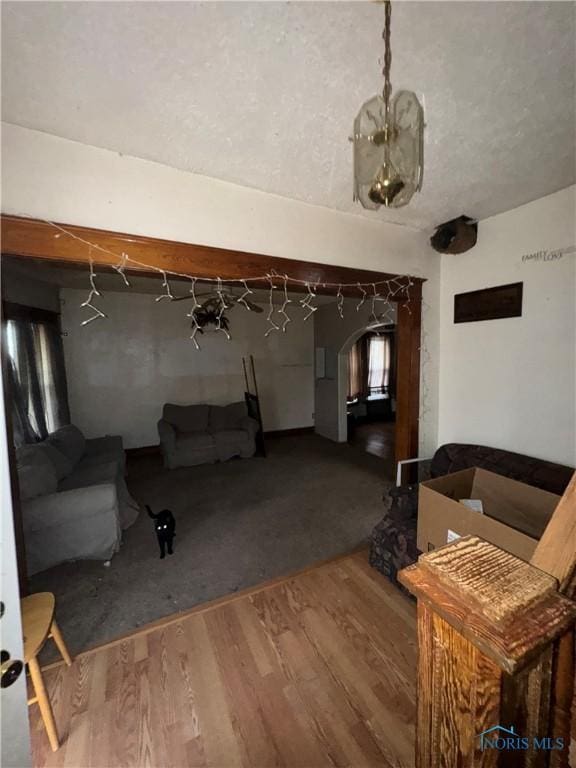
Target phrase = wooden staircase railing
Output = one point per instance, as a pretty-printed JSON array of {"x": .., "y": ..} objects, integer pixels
[{"x": 496, "y": 650}]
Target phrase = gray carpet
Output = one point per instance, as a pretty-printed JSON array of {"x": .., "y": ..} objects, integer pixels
[{"x": 237, "y": 524}]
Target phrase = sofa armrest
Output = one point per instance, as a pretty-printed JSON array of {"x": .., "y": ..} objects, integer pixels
[
  {"x": 70, "y": 508},
  {"x": 79, "y": 524},
  {"x": 167, "y": 435},
  {"x": 251, "y": 426},
  {"x": 402, "y": 502}
]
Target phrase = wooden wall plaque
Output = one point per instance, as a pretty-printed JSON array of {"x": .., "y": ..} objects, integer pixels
[{"x": 488, "y": 304}]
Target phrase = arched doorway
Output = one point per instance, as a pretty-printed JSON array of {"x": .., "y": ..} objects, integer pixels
[
  {"x": 335, "y": 341},
  {"x": 367, "y": 366}
]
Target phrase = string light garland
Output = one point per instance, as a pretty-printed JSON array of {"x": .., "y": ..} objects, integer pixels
[
  {"x": 120, "y": 269},
  {"x": 192, "y": 314},
  {"x": 369, "y": 291},
  {"x": 242, "y": 299},
  {"x": 373, "y": 315},
  {"x": 271, "y": 310},
  {"x": 363, "y": 299},
  {"x": 166, "y": 285},
  {"x": 282, "y": 310},
  {"x": 340, "y": 302},
  {"x": 306, "y": 303},
  {"x": 93, "y": 292},
  {"x": 379, "y": 315},
  {"x": 425, "y": 363},
  {"x": 223, "y": 307}
]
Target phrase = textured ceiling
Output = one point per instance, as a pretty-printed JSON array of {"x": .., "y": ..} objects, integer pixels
[{"x": 263, "y": 94}]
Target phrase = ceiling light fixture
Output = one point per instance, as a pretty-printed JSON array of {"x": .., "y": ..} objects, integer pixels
[{"x": 388, "y": 142}]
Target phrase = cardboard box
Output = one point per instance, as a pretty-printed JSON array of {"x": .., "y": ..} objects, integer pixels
[{"x": 515, "y": 514}]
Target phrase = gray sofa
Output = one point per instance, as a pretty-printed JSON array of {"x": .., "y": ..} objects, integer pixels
[
  {"x": 75, "y": 502},
  {"x": 203, "y": 434}
]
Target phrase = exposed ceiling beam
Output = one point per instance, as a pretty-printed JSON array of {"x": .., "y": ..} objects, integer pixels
[{"x": 39, "y": 239}]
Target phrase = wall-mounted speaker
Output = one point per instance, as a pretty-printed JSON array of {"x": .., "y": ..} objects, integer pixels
[{"x": 455, "y": 236}]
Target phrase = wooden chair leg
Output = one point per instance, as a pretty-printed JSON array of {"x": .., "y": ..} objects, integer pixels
[
  {"x": 56, "y": 635},
  {"x": 43, "y": 703}
]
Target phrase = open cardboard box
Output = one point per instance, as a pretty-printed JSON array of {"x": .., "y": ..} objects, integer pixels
[{"x": 514, "y": 518}]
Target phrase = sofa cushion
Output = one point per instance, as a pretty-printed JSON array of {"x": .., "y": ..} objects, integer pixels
[
  {"x": 60, "y": 463},
  {"x": 36, "y": 474},
  {"x": 84, "y": 476},
  {"x": 196, "y": 441},
  {"x": 232, "y": 436},
  {"x": 70, "y": 441},
  {"x": 234, "y": 442},
  {"x": 228, "y": 417},
  {"x": 187, "y": 418},
  {"x": 103, "y": 450}
]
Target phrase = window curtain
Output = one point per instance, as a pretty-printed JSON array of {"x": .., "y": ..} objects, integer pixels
[
  {"x": 354, "y": 378},
  {"x": 358, "y": 369},
  {"x": 37, "y": 378},
  {"x": 380, "y": 365}
]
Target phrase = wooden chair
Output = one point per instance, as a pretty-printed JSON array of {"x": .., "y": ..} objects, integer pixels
[{"x": 38, "y": 625}]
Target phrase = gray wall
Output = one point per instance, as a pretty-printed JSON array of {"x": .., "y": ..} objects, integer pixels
[
  {"x": 123, "y": 369},
  {"x": 21, "y": 287}
]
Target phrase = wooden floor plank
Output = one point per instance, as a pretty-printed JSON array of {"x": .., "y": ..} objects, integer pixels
[{"x": 315, "y": 670}]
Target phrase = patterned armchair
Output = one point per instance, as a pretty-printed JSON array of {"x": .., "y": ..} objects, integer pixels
[{"x": 393, "y": 542}]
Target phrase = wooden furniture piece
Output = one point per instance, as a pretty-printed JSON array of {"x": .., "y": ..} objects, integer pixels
[
  {"x": 496, "y": 649},
  {"x": 490, "y": 629},
  {"x": 38, "y": 624}
]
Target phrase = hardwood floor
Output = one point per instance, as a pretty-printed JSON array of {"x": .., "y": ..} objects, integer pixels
[
  {"x": 314, "y": 670},
  {"x": 378, "y": 439}
]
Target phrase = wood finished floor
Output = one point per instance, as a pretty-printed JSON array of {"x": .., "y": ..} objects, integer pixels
[
  {"x": 377, "y": 438},
  {"x": 315, "y": 670}
]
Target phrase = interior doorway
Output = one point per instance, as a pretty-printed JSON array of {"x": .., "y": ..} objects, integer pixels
[
  {"x": 103, "y": 410},
  {"x": 367, "y": 369}
]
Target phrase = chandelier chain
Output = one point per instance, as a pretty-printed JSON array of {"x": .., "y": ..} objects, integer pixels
[{"x": 387, "y": 92}]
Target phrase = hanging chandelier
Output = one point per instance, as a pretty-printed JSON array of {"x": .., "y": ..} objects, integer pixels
[{"x": 388, "y": 142}]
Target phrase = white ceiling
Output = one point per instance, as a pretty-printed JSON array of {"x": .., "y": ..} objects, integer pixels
[{"x": 264, "y": 93}]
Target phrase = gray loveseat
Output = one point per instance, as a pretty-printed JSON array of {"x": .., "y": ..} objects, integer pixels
[
  {"x": 203, "y": 434},
  {"x": 75, "y": 502}
]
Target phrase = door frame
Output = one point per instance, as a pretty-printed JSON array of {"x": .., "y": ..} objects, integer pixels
[
  {"x": 38, "y": 239},
  {"x": 14, "y": 730}
]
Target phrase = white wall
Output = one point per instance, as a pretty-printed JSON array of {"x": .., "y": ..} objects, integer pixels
[
  {"x": 48, "y": 177},
  {"x": 511, "y": 383},
  {"x": 123, "y": 369}
]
